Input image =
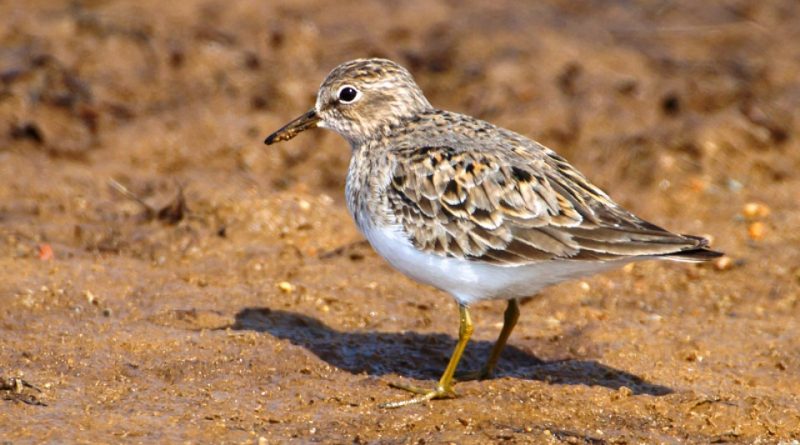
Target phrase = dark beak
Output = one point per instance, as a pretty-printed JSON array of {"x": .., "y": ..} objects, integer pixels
[{"x": 293, "y": 128}]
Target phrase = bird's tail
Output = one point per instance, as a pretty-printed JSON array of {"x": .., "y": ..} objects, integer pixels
[{"x": 695, "y": 254}]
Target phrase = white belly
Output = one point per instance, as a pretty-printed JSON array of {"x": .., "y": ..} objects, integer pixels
[{"x": 470, "y": 281}]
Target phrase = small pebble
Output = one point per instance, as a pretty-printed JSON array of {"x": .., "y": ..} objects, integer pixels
[
  {"x": 735, "y": 186},
  {"x": 90, "y": 298},
  {"x": 286, "y": 286},
  {"x": 723, "y": 263},
  {"x": 698, "y": 185},
  {"x": 757, "y": 230},
  {"x": 552, "y": 322},
  {"x": 46, "y": 252},
  {"x": 753, "y": 210}
]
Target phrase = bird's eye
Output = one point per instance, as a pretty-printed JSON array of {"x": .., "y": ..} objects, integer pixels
[{"x": 348, "y": 94}]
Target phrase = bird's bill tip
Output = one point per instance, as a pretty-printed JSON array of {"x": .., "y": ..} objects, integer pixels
[{"x": 308, "y": 120}]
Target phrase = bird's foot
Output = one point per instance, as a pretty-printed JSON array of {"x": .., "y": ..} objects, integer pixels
[{"x": 440, "y": 392}]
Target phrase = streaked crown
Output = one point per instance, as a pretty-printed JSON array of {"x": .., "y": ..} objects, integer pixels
[{"x": 362, "y": 97}]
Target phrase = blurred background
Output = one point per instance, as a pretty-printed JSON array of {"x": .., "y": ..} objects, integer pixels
[{"x": 141, "y": 215}]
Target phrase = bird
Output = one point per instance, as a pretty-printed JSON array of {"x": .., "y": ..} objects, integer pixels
[{"x": 468, "y": 207}]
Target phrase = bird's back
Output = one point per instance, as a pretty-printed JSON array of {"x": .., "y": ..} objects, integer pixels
[{"x": 463, "y": 188}]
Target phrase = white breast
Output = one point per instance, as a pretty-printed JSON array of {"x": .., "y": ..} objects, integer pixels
[{"x": 470, "y": 281}]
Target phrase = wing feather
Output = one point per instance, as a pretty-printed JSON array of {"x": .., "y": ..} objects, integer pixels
[{"x": 514, "y": 207}]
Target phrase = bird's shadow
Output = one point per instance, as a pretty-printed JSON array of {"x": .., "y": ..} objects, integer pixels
[{"x": 424, "y": 356}]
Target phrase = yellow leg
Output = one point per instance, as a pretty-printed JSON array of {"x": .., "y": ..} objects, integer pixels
[
  {"x": 445, "y": 387},
  {"x": 509, "y": 321}
]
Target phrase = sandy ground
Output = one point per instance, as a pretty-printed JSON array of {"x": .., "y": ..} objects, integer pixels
[{"x": 238, "y": 303}]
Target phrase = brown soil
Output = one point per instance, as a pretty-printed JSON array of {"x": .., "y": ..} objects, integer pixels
[{"x": 245, "y": 308}]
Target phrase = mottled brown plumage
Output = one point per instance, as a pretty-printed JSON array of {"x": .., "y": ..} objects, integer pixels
[
  {"x": 487, "y": 194},
  {"x": 476, "y": 210}
]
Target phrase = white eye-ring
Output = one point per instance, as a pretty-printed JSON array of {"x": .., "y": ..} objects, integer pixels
[{"x": 348, "y": 94}]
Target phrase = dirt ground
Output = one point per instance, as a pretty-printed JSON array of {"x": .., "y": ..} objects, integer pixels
[{"x": 238, "y": 304}]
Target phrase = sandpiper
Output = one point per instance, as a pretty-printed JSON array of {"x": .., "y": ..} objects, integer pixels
[{"x": 470, "y": 208}]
